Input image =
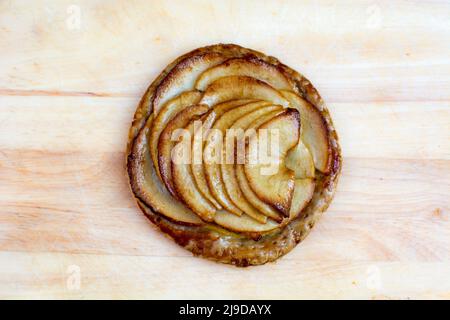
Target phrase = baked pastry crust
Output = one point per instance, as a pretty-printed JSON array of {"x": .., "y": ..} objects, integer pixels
[{"x": 213, "y": 242}]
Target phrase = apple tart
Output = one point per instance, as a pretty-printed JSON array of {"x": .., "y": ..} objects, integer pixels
[{"x": 233, "y": 155}]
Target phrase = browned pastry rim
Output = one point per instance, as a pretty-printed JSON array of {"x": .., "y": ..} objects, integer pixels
[{"x": 216, "y": 243}]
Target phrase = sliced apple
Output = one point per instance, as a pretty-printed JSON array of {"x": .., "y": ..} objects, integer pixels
[
  {"x": 167, "y": 112},
  {"x": 251, "y": 67},
  {"x": 243, "y": 223},
  {"x": 183, "y": 179},
  {"x": 314, "y": 133},
  {"x": 242, "y": 179},
  {"x": 166, "y": 142},
  {"x": 212, "y": 169},
  {"x": 300, "y": 161},
  {"x": 275, "y": 185},
  {"x": 228, "y": 166},
  {"x": 303, "y": 193},
  {"x": 183, "y": 76},
  {"x": 149, "y": 188},
  {"x": 240, "y": 87},
  {"x": 197, "y": 164}
]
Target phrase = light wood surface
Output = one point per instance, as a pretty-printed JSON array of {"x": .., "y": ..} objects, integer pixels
[{"x": 68, "y": 88}]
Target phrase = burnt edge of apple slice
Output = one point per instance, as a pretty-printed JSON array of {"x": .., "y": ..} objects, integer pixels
[{"x": 223, "y": 246}]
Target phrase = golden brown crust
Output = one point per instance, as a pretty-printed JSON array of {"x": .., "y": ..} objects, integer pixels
[{"x": 214, "y": 242}]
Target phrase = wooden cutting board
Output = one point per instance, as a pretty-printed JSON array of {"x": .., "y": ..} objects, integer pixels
[{"x": 71, "y": 76}]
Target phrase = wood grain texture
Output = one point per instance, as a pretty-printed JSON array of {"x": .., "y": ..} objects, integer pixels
[{"x": 67, "y": 95}]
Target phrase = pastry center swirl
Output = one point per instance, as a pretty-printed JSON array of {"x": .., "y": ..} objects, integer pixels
[{"x": 233, "y": 142}]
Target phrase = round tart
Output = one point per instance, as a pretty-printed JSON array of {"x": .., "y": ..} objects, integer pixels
[{"x": 233, "y": 155}]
